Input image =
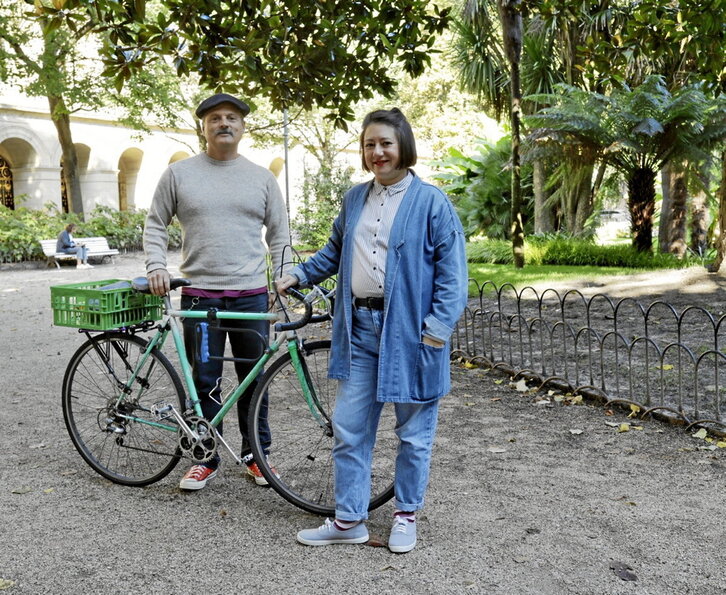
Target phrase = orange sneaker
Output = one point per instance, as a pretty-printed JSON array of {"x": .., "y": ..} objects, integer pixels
[
  {"x": 197, "y": 477},
  {"x": 254, "y": 472}
]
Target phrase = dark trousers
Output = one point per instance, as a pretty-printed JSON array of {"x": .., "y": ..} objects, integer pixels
[{"x": 245, "y": 345}]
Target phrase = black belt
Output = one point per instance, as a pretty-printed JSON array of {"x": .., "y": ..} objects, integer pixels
[{"x": 374, "y": 303}]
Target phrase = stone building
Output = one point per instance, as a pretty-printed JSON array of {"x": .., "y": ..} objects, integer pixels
[{"x": 119, "y": 167}]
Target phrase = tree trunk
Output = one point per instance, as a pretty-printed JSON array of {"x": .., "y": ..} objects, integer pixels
[
  {"x": 679, "y": 201},
  {"x": 544, "y": 217},
  {"x": 641, "y": 205},
  {"x": 584, "y": 201},
  {"x": 666, "y": 212},
  {"x": 511, "y": 18},
  {"x": 721, "y": 243},
  {"x": 62, "y": 122},
  {"x": 699, "y": 219}
]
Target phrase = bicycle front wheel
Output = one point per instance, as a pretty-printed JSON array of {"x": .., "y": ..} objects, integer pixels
[
  {"x": 302, "y": 434},
  {"x": 105, "y": 415}
]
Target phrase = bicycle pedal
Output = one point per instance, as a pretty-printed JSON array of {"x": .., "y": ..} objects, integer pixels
[{"x": 161, "y": 410}]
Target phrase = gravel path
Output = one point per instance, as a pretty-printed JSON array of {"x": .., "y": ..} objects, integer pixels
[{"x": 530, "y": 493}]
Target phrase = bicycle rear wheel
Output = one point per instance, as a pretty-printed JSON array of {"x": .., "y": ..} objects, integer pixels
[
  {"x": 302, "y": 445},
  {"x": 103, "y": 427}
]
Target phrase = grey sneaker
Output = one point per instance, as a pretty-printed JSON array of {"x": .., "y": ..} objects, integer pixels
[
  {"x": 403, "y": 536},
  {"x": 329, "y": 534}
]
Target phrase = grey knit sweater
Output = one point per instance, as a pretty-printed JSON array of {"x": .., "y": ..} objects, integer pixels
[{"x": 222, "y": 207}]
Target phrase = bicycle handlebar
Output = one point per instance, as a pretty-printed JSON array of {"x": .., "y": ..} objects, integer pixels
[{"x": 305, "y": 319}]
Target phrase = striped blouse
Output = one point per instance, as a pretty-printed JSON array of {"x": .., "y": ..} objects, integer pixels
[{"x": 371, "y": 237}]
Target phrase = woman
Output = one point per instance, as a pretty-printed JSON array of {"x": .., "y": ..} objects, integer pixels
[
  {"x": 397, "y": 248},
  {"x": 67, "y": 245}
]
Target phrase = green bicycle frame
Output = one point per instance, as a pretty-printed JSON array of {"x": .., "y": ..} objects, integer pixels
[{"x": 171, "y": 325}]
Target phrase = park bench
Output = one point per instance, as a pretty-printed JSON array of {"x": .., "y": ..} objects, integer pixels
[{"x": 97, "y": 247}]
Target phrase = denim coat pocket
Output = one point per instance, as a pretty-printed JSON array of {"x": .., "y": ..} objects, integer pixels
[{"x": 429, "y": 373}]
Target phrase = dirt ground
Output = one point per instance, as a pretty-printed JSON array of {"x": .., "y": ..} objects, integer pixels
[{"x": 529, "y": 493}]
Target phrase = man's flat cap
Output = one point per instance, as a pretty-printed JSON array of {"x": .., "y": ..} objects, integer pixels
[{"x": 215, "y": 100}]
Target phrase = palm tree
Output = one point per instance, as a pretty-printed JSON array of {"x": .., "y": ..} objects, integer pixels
[
  {"x": 551, "y": 54},
  {"x": 636, "y": 131}
]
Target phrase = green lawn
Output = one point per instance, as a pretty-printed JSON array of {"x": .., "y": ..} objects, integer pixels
[{"x": 531, "y": 274}]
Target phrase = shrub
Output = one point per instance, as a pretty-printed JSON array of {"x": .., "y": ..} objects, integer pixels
[
  {"x": 322, "y": 195},
  {"x": 480, "y": 188},
  {"x": 22, "y": 229},
  {"x": 559, "y": 250}
]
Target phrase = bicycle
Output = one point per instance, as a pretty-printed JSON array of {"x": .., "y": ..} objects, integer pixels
[{"x": 128, "y": 415}]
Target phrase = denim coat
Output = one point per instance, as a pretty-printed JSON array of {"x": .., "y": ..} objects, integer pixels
[{"x": 425, "y": 291}]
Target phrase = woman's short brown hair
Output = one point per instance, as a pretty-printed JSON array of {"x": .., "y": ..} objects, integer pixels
[{"x": 404, "y": 135}]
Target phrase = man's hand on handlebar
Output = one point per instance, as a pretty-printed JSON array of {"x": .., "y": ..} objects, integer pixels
[
  {"x": 159, "y": 281},
  {"x": 285, "y": 282}
]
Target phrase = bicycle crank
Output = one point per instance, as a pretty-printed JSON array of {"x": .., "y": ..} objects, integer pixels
[{"x": 199, "y": 444}]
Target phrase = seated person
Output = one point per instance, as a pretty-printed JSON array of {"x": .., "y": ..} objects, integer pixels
[{"x": 67, "y": 245}]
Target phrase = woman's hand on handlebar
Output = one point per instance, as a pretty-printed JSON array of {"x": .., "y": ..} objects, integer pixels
[
  {"x": 284, "y": 282},
  {"x": 159, "y": 281}
]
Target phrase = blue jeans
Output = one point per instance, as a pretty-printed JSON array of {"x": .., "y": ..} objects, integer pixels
[
  {"x": 355, "y": 422},
  {"x": 81, "y": 253},
  {"x": 207, "y": 375}
]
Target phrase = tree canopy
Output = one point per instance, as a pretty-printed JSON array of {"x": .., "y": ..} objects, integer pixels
[{"x": 323, "y": 53}]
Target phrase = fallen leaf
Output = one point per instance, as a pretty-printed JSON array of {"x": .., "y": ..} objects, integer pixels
[
  {"x": 496, "y": 450},
  {"x": 576, "y": 432},
  {"x": 576, "y": 400},
  {"x": 665, "y": 367},
  {"x": 634, "y": 410},
  {"x": 6, "y": 583},
  {"x": 543, "y": 402},
  {"x": 469, "y": 403},
  {"x": 22, "y": 490},
  {"x": 612, "y": 424},
  {"x": 49, "y": 490},
  {"x": 624, "y": 427},
  {"x": 495, "y": 399},
  {"x": 469, "y": 365},
  {"x": 609, "y": 412},
  {"x": 521, "y": 386},
  {"x": 637, "y": 427},
  {"x": 498, "y": 381},
  {"x": 702, "y": 433},
  {"x": 622, "y": 570},
  {"x": 721, "y": 444}
]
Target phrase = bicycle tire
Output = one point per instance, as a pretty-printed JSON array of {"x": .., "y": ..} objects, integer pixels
[
  {"x": 126, "y": 452},
  {"x": 301, "y": 450}
]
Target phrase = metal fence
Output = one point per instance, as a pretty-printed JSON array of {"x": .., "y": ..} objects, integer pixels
[{"x": 670, "y": 364}]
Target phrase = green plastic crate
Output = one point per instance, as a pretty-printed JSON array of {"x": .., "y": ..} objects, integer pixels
[{"x": 102, "y": 305}]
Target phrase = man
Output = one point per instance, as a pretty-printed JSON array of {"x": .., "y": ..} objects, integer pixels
[{"x": 222, "y": 202}]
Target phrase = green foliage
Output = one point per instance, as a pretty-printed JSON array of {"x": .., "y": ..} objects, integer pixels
[
  {"x": 22, "y": 229},
  {"x": 480, "y": 188},
  {"x": 635, "y": 131},
  {"x": 322, "y": 196},
  {"x": 305, "y": 54},
  {"x": 559, "y": 250}
]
